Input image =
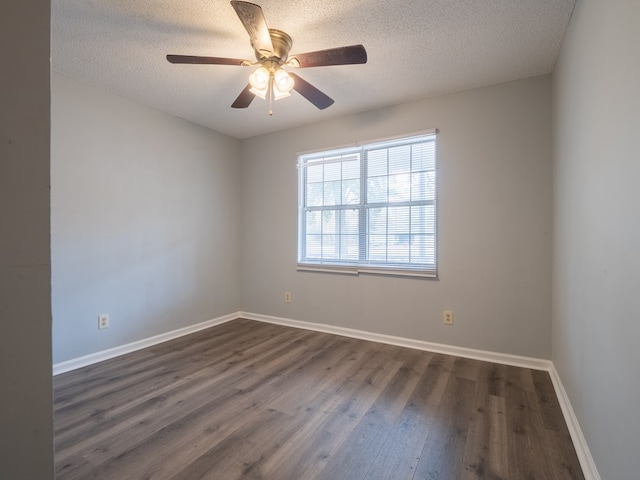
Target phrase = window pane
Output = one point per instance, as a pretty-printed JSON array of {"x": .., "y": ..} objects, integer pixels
[
  {"x": 423, "y": 157},
  {"x": 350, "y": 192},
  {"x": 329, "y": 247},
  {"x": 329, "y": 222},
  {"x": 431, "y": 249},
  {"x": 378, "y": 221},
  {"x": 351, "y": 170},
  {"x": 377, "y": 190},
  {"x": 431, "y": 185},
  {"x": 378, "y": 247},
  {"x": 376, "y": 163},
  {"x": 314, "y": 246},
  {"x": 400, "y": 159},
  {"x": 399, "y": 220},
  {"x": 314, "y": 223},
  {"x": 349, "y": 247},
  {"x": 332, "y": 193},
  {"x": 399, "y": 187},
  {"x": 423, "y": 219},
  {"x": 398, "y": 248},
  {"x": 418, "y": 186},
  {"x": 422, "y": 249},
  {"x": 430, "y": 226},
  {"x": 423, "y": 184},
  {"x": 314, "y": 173},
  {"x": 350, "y": 222},
  {"x": 332, "y": 172},
  {"x": 314, "y": 195}
]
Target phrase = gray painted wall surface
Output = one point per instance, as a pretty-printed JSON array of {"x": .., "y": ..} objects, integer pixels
[
  {"x": 495, "y": 215},
  {"x": 26, "y": 436},
  {"x": 145, "y": 225},
  {"x": 596, "y": 301}
]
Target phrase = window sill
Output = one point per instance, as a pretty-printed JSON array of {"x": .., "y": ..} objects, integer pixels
[{"x": 344, "y": 270}]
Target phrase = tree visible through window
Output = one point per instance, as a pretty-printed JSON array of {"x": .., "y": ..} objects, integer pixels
[{"x": 370, "y": 207}]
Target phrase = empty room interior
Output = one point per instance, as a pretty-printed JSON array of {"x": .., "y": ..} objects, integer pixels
[{"x": 178, "y": 301}]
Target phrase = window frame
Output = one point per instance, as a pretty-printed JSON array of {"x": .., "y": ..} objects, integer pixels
[{"x": 364, "y": 264}]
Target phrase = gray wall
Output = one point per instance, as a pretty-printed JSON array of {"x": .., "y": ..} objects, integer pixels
[
  {"x": 596, "y": 301},
  {"x": 144, "y": 221},
  {"x": 26, "y": 438},
  {"x": 495, "y": 214}
]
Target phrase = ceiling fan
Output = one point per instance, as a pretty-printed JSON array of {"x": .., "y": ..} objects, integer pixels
[{"x": 270, "y": 81}]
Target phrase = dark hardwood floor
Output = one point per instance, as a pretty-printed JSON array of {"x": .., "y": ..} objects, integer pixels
[{"x": 258, "y": 401}]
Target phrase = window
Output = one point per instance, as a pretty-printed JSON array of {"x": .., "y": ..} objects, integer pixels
[{"x": 369, "y": 208}]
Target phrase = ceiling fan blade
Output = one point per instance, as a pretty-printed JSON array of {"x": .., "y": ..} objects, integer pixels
[
  {"x": 204, "y": 60},
  {"x": 254, "y": 22},
  {"x": 311, "y": 93},
  {"x": 350, "y": 55},
  {"x": 244, "y": 99}
]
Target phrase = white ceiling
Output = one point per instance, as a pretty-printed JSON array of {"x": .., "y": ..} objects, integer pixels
[{"x": 416, "y": 48}]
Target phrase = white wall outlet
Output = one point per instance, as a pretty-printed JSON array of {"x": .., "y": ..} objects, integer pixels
[
  {"x": 287, "y": 297},
  {"x": 103, "y": 321},
  {"x": 447, "y": 317}
]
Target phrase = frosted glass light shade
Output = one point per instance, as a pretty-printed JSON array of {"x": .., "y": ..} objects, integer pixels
[
  {"x": 283, "y": 81},
  {"x": 259, "y": 81}
]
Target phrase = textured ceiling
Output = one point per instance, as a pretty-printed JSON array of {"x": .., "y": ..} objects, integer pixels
[{"x": 416, "y": 48}]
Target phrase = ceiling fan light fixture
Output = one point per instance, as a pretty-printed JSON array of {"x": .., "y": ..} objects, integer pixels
[
  {"x": 283, "y": 82},
  {"x": 259, "y": 93},
  {"x": 260, "y": 79},
  {"x": 277, "y": 95},
  {"x": 264, "y": 80}
]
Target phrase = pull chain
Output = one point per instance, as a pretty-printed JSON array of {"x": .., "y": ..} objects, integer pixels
[{"x": 271, "y": 95}]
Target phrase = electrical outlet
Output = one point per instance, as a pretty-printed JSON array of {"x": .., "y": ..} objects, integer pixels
[
  {"x": 103, "y": 321},
  {"x": 447, "y": 317},
  {"x": 287, "y": 297}
]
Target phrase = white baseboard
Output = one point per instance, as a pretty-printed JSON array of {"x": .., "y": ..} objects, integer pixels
[
  {"x": 503, "y": 358},
  {"x": 579, "y": 442},
  {"x": 92, "y": 358}
]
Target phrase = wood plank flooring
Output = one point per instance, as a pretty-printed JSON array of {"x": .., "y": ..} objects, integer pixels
[{"x": 249, "y": 400}]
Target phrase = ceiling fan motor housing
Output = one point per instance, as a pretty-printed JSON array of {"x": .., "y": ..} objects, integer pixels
[{"x": 282, "y": 43}]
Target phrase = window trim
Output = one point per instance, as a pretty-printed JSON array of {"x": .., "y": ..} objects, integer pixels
[{"x": 348, "y": 268}]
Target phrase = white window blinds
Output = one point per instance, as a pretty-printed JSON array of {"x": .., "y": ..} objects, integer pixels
[{"x": 370, "y": 208}]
